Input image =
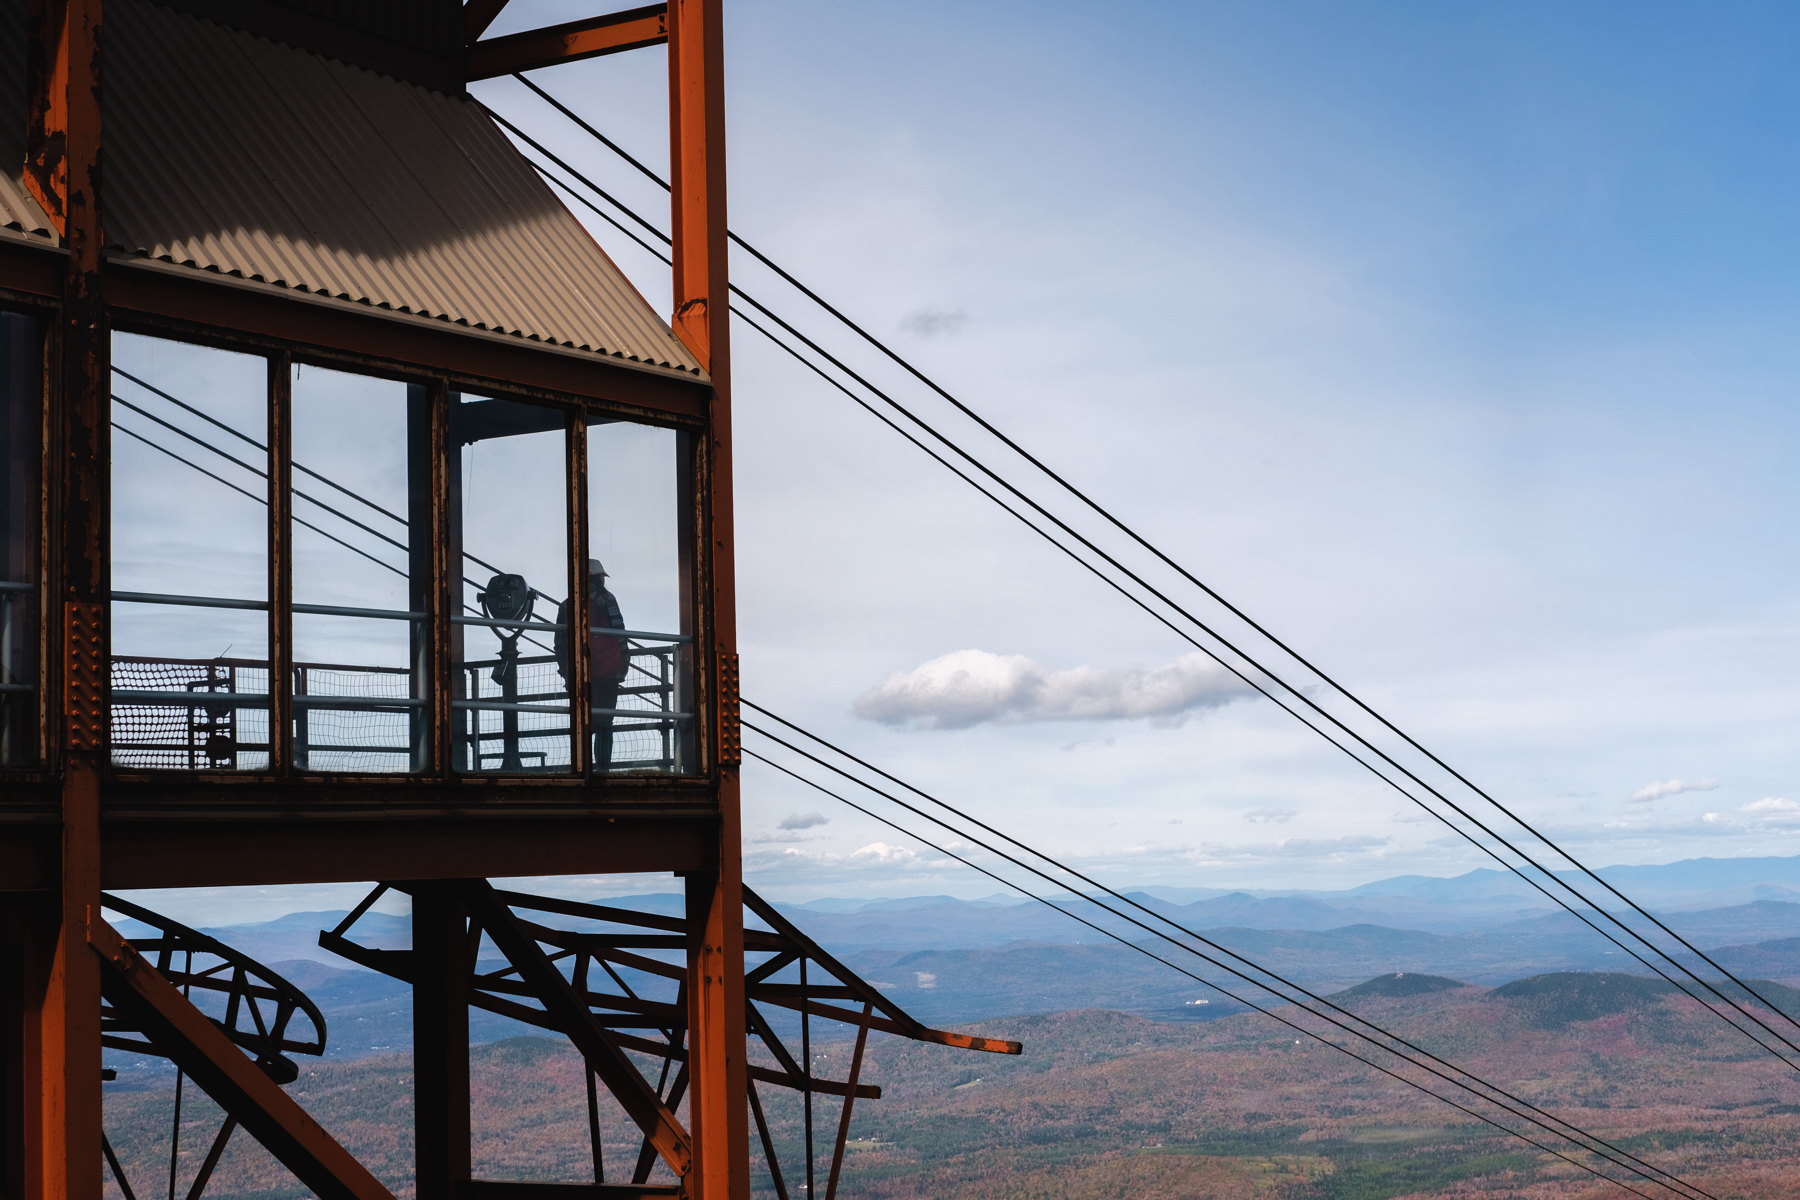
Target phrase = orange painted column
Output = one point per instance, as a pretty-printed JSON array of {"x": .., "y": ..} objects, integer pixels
[
  {"x": 63, "y": 170},
  {"x": 718, "y": 1107}
]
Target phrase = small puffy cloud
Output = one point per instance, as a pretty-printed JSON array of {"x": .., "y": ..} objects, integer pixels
[
  {"x": 803, "y": 820},
  {"x": 1671, "y": 787},
  {"x": 971, "y": 687},
  {"x": 932, "y": 322},
  {"x": 1270, "y": 816}
]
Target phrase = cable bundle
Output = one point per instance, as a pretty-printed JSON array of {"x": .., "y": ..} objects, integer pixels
[{"x": 1265, "y": 663}]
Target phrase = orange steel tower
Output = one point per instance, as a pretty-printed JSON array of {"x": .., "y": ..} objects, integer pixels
[{"x": 361, "y": 521}]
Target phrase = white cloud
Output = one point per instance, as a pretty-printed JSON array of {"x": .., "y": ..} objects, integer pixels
[
  {"x": 881, "y": 852},
  {"x": 1266, "y": 816},
  {"x": 804, "y": 820},
  {"x": 1774, "y": 809},
  {"x": 1671, "y": 787},
  {"x": 970, "y": 687}
]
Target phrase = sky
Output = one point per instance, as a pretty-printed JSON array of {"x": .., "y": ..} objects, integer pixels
[{"x": 1452, "y": 342}]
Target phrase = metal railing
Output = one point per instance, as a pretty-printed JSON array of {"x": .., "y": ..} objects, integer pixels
[{"x": 489, "y": 727}]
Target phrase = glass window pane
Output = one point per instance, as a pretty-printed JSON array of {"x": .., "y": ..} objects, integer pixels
[
  {"x": 190, "y": 565},
  {"x": 361, "y": 484},
  {"x": 509, "y": 531},
  {"x": 642, "y": 684},
  {"x": 20, "y": 455}
]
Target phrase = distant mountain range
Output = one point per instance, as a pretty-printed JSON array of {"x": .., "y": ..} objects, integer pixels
[
  {"x": 1477, "y": 900},
  {"x": 952, "y": 961}
]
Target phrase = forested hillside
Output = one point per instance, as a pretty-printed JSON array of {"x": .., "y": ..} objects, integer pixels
[{"x": 1104, "y": 1104}]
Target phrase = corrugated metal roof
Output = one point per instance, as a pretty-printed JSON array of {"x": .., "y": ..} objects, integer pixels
[
  {"x": 19, "y": 209},
  {"x": 230, "y": 153}
]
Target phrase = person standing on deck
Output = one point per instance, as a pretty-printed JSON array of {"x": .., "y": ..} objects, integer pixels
[{"x": 607, "y": 660}]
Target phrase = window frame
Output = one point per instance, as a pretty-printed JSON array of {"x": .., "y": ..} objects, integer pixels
[
  {"x": 37, "y": 530},
  {"x": 445, "y": 589}
]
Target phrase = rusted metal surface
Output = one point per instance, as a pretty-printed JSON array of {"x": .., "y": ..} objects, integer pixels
[
  {"x": 731, "y": 729},
  {"x": 439, "y": 601},
  {"x": 154, "y": 297},
  {"x": 443, "y": 959},
  {"x": 570, "y": 1014},
  {"x": 84, "y": 683},
  {"x": 265, "y": 198},
  {"x": 235, "y": 852},
  {"x": 63, "y": 171},
  {"x": 559, "y": 970},
  {"x": 31, "y": 271},
  {"x": 633, "y": 29},
  {"x": 716, "y": 1022},
  {"x": 141, "y": 996},
  {"x": 260, "y": 1006},
  {"x": 716, "y": 1000},
  {"x": 788, "y": 937},
  {"x": 352, "y": 186},
  {"x": 279, "y": 465},
  {"x": 19, "y": 209},
  {"x": 581, "y": 717}
]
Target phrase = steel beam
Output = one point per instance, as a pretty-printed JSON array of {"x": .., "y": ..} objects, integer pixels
[
  {"x": 31, "y": 268},
  {"x": 571, "y": 42},
  {"x": 178, "y": 301},
  {"x": 227, "y": 853},
  {"x": 441, "y": 961},
  {"x": 63, "y": 170},
  {"x": 281, "y": 562},
  {"x": 31, "y": 923},
  {"x": 597, "y": 1045},
  {"x": 716, "y": 1039},
  {"x": 234, "y": 1082}
]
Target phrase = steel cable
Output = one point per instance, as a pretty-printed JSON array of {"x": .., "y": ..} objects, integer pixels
[
  {"x": 1530, "y": 1112},
  {"x": 1277, "y": 680}
]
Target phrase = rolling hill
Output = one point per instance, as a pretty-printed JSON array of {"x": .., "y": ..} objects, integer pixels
[{"x": 1104, "y": 1104}]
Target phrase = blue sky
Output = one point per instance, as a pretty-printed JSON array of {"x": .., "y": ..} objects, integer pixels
[{"x": 1456, "y": 342}]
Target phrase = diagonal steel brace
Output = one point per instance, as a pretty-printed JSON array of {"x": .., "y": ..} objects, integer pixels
[
  {"x": 574, "y": 1018},
  {"x": 186, "y": 1035}
]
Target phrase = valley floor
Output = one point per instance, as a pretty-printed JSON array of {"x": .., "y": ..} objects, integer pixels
[{"x": 1107, "y": 1105}]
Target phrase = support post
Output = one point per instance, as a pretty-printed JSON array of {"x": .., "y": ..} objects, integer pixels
[
  {"x": 715, "y": 904},
  {"x": 718, "y": 1110},
  {"x": 63, "y": 170},
  {"x": 441, "y": 971},
  {"x": 281, "y": 564},
  {"x": 697, "y": 182},
  {"x": 30, "y": 930}
]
